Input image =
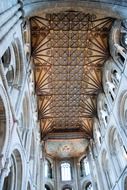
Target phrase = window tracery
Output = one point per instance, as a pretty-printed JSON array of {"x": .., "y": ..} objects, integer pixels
[
  {"x": 67, "y": 188},
  {"x": 12, "y": 65},
  {"x": 66, "y": 173}
]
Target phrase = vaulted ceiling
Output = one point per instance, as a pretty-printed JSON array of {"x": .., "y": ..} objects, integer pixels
[{"x": 68, "y": 52}]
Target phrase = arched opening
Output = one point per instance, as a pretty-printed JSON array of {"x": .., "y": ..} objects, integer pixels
[
  {"x": 123, "y": 111},
  {"x": 2, "y": 124},
  {"x": 14, "y": 178},
  {"x": 48, "y": 169},
  {"x": 118, "y": 150},
  {"x": 9, "y": 181},
  {"x": 6, "y": 58},
  {"x": 66, "y": 171},
  {"x": 106, "y": 169},
  {"x": 67, "y": 188},
  {"x": 25, "y": 123},
  {"x": 18, "y": 165},
  {"x": 84, "y": 167}
]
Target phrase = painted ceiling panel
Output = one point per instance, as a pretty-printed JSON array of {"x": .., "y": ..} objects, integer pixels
[{"x": 66, "y": 148}]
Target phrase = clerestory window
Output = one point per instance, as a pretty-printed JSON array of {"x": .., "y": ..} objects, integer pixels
[
  {"x": 84, "y": 167},
  {"x": 48, "y": 169},
  {"x": 66, "y": 171}
]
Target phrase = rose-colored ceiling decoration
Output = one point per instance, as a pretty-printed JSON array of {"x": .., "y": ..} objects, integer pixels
[{"x": 68, "y": 51}]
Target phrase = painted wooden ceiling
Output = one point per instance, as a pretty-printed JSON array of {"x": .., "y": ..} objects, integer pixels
[{"x": 68, "y": 52}]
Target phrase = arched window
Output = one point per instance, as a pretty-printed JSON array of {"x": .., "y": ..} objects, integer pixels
[
  {"x": 48, "y": 169},
  {"x": 8, "y": 181},
  {"x": 66, "y": 171},
  {"x": 89, "y": 186},
  {"x": 14, "y": 179},
  {"x": 84, "y": 167}
]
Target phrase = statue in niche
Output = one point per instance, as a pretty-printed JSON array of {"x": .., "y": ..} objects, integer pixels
[
  {"x": 115, "y": 77},
  {"x": 111, "y": 89}
]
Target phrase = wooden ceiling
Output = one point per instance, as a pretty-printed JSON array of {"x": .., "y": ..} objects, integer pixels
[{"x": 68, "y": 52}]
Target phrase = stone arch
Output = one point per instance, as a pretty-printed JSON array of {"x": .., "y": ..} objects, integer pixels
[
  {"x": 67, "y": 187},
  {"x": 123, "y": 111},
  {"x": 12, "y": 60},
  {"x": 48, "y": 168},
  {"x": 19, "y": 63},
  {"x": 85, "y": 184},
  {"x": 88, "y": 186},
  {"x": 117, "y": 149},
  {"x": 14, "y": 178},
  {"x": 66, "y": 164},
  {"x": 5, "y": 122},
  {"x": 84, "y": 166},
  {"x": 112, "y": 140},
  {"x": 2, "y": 124},
  {"x": 25, "y": 122},
  {"x": 123, "y": 34},
  {"x": 111, "y": 79},
  {"x": 106, "y": 168},
  {"x": 6, "y": 57},
  {"x": 117, "y": 49}
]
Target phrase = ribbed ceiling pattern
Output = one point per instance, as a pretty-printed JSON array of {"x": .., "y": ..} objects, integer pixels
[{"x": 68, "y": 51}]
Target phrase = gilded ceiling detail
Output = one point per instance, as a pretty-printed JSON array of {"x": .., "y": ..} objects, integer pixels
[{"x": 68, "y": 51}]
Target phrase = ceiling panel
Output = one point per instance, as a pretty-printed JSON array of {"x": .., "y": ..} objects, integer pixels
[{"x": 68, "y": 51}]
